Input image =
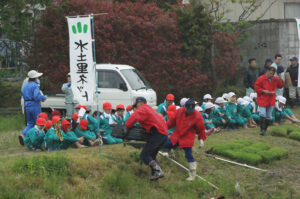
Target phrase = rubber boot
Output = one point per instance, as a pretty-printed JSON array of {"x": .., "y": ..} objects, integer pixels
[
  {"x": 262, "y": 123},
  {"x": 156, "y": 171},
  {"x": 192, "y": 171}
]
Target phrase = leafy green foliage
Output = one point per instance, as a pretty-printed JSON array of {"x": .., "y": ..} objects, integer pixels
[
  {"x": 295, "y": 135},
  {"x": 290, "y": 128},
  {"x": 248, "y": 152},
  {"x": 43, "y": 165}
]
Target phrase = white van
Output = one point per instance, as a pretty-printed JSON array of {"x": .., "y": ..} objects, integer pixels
[{"x": 117, "y": 84}]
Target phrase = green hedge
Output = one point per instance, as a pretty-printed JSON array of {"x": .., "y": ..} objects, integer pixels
[{"x": 246, "y": 151}]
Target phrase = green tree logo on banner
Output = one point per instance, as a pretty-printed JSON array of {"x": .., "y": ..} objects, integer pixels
[{"x": 79, "y": 28}]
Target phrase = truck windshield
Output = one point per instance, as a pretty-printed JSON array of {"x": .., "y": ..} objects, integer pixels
[{"x": 135, "y": 79}]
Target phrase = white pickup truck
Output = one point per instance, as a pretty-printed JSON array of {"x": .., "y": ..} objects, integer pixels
[{"x": 117, "y": 84}]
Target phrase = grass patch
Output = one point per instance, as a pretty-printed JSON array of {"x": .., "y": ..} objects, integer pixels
[
  {"x": 42, "y": 165},
  {"x": 290, "y": 128},
  {"x": 11, "y": 122},
  {"x": 295, "y": 135},
  {"x": 249, "y": 152},
  {"x": 279, "y": 131}
]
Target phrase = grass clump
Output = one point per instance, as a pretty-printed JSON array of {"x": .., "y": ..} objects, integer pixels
[
  {"x": 295, "y": 135},
  {"x": 249, "y": 152},
  {"x": 290, "y": 128},
  {"x": 11, "y": 123},
  {"x": 278, "y": 131},
  {"x": 281, "y": 153},
  {"x": 42, "y": 165}
]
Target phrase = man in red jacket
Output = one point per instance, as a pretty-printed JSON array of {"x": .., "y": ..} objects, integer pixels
[
  {"x": 156, "y": 126},
  {"x": 266, "y": 86},
  {"x": 188, "y": 123}
]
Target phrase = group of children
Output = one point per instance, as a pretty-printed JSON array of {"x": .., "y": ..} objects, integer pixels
[{"x": 84, "y": 130}]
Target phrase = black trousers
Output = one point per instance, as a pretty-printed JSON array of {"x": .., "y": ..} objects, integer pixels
[{"x": 154, "y": 143}]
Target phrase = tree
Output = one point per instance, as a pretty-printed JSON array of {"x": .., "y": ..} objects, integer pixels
[
  {"x": 18, "y": 22},
  {"x": 138, "y": 34}
]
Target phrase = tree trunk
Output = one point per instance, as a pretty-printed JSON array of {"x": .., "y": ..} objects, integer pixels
[{"x": 213, "y": 69}]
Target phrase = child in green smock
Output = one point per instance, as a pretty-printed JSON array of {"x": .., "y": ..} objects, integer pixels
[
  {"x": 70, "y": 139},
  {"x": 53, "y": 137},
  {"x": 35, "y": 136}
]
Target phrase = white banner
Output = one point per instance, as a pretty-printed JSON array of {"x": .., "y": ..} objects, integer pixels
[
  {"x": 298, "y": 28},
  {"x": 81, "y": 59}
]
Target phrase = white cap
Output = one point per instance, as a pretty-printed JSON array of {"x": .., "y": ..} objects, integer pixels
[
  {"x": 230, "y": 95},
  {"x": 34, "y": 74},
  {"x": 245, "y": 103},
  {"x": 69, "y": 74},
  {"x": 282, "y": 99},
  {"x": 253, "y": 95},
  {"x": 209, "y": 105},
  {"x": 278, "y": 97},
  {"x": 198, "y": 108},
  {"x": 183, "y": 101},
  {"x": 220, "y": 100},
  {"x": 224, "y": 96},
  {"x": 248, "y": 99},
  {"x": 178, "y": 107},
  {"x": 207, "y": 96},
  {"x": 240, "y": 100}
]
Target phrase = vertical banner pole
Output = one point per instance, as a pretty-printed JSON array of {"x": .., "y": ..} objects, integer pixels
[
  {"x": 94, "y": 51},
  {"x": 298, "y": 29}
]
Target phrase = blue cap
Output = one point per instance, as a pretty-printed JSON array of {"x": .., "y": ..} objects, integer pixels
[
  {"x": 294, "y": 59},
  {"x": 190, "y": 105},
  {"x": 141, "y": 99},
  {"x": 268, "y": 60}
]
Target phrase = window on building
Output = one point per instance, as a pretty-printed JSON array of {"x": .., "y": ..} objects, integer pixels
[{"x": 291, "y": 10}]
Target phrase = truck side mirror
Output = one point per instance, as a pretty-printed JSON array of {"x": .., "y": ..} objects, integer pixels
[{"x": 123, "y": 87}]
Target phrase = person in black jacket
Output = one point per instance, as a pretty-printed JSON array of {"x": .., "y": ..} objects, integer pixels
[
  {"x": 264, "y": 69},
  {"x": 251, "y": 75},
  {"x": 294, "y": 90}
]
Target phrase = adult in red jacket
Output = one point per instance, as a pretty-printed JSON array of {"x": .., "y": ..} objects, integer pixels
[
  {"x": 265, "y": 87},
  {"x": 157, "y": 127},
  {"x": 188, "y": 123}
]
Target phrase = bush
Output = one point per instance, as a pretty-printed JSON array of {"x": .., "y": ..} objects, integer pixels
[
  {"x": 278, "y": 131},
  {"x": 43, "y": 165},
  {"x": 295, "y": 135}
]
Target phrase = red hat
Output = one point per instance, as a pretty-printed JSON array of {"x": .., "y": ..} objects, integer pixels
[
  {"x": 65, "y": 125},
  {"x": 172, "y": 108},
  {"x": 170, "y": 97},
  {"x": 75, "y": 116},
  {"x": 120, "y": 106},
  {"x": 84, "y": 124},
  {"x": 43, "y": 115},
  {"x": 55, "y": 119},
  {"x": 56, "y": 112},
  {"x": 48, "y": 125},
  {"x": 161, "y": 115},
  {"x": 40, "y": 121},
  {"x": 107, "y": 105},
  {"x": 129, "y": 108},
  {"x": 81, "y": 106}
]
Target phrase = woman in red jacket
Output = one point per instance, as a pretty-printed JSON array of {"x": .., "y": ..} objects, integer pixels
[
  {"x": 188, "y": 123},
  {"x": 154, "y": 124},
  {"x": 265, "y": 87}
]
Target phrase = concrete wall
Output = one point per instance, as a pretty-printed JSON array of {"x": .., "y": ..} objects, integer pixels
[{"x": 269, "y": 37}]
